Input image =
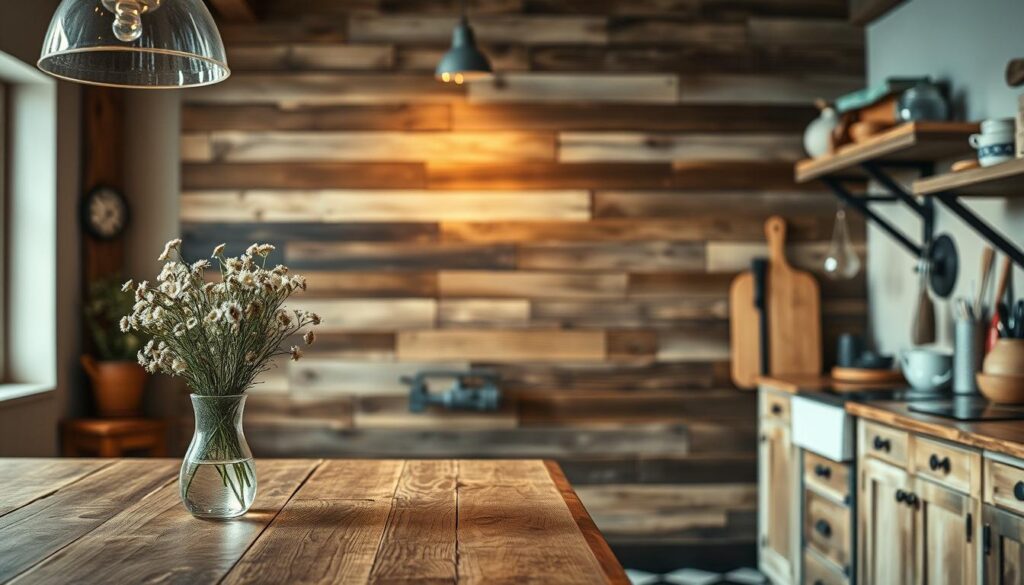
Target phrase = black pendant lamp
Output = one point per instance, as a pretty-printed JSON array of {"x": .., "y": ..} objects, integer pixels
[{"x": 464, "y": 61}]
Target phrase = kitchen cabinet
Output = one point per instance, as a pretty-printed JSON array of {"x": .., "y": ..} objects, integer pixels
[
  {"x": 1003, "y": 547},
  {"x": 778, "y": 492},
  {"x": 945, "y": 523},
  {"x": 886, "y": 524}
]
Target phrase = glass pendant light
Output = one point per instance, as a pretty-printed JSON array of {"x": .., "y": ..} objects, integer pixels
[
  {"x": 464, "y": 61},
  {"x": 842, "y": 261},
  {"x": 134, "y": 43}
]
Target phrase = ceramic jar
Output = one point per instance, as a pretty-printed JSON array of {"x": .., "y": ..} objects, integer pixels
[
  {"x": 819, "y": 132},
  {"x": 996, "y": 142},
  {"x": 927, "y": 369},
  {"x": 1006, "y": 358}
]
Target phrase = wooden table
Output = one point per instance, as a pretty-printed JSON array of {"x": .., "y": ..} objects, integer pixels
[{"x": 314, "y": 521}]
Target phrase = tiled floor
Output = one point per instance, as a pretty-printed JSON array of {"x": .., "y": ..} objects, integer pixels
[{"x": 745, "y": 576}]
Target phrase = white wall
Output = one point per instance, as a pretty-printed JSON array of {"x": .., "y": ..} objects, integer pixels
[{"x": 967, "y": 44}]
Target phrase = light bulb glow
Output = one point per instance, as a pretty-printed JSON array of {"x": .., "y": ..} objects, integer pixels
[{"x": 127, "y": 20}]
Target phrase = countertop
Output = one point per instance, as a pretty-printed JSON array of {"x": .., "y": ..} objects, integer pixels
[
  {"x": 1006, "y": 437},
  {"x": 313, "y": 521}
]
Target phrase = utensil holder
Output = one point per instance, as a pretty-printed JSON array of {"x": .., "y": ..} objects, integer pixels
[{"x": 968, "y": 351}]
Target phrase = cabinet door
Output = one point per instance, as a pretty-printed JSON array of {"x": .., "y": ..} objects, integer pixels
[
  {"x": 946, "y": 546},
  {"x": 1003, "y": 547},
  {"x": 885, "y": 525},
  {"x": 777, "y": 493}
]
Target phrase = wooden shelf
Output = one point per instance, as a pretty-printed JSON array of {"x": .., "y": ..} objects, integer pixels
[
  {"x": 909, "y": 142},
  {"x": 1002, "y": 180}
]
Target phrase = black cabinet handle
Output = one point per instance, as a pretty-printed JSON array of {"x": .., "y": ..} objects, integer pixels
[
  {"x": 936, "y": 464},
  {"x": 822, "y": 470},
  {"x": 901, "y": 496},
  {"x": 776, "y": 409},
  {"x": 822, "y": 527},
  {"x": 912, "y": 500},
  {"x": 818, "y": 582},
  {"x": 882, "y": 444},
  {"x": 1018, "y": 491}
]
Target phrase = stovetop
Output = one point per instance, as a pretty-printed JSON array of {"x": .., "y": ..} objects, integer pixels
[
  {"x": 838, "y": 398},
  {"x": 968, "y": 408}
]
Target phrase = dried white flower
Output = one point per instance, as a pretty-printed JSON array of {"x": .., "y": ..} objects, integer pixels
[
  {"x": 296, "y": 353},
  {"x": 127, "y": 286},
  {"x": 284, "y": 320},
  {"x": 179, "y": 329},
  {"x": 213, "y": 316},
  {"x": 125, "y": 324},
  {"x": 199, "y": 266},
  {"x": 191, "y": 323},
  {"x": 218, "y": 251},
  {"x": 309, "y": 338},
  {"x": 168, "y": 248},
  {"x": 231, "y": 311},
  {"x": 298, "y": 282},
  {"x": 314, "y": 318}
]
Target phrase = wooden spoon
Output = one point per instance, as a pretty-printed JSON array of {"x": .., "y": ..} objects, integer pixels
[
  {"x": 988, "y": 256},
  {"x": 993, "y": 329}
]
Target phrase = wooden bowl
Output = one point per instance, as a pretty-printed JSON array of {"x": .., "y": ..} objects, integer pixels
[
  {"x": 1006, "y": 358},
  {"x": 1002, "y": 389}
]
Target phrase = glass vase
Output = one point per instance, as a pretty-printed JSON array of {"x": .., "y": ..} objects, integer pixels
[{"x": 218, "y": 478}]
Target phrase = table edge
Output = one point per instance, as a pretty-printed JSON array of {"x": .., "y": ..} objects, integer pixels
[{"x": 609, "y": 563}]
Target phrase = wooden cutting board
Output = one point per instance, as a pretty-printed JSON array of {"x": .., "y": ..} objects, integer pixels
[{"x": 794, "y": 317}]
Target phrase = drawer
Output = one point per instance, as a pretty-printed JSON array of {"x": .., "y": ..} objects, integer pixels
[
  {"x": 1004, "y": 486},
  {"x": 818, "y": 571},
  {"x": 885, "y": 443},
  {"x": 945, "y": 464},
  {"x": 827, "y": 528},
  {"x": 775, "y": 406},
  {"x": 826, "y": 476}
]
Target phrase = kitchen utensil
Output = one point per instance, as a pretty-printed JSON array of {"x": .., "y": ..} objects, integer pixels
[
  {"x": 871, "y": 376},
  {"x": 794, "y": 310},
  {"x": 1015, "y": 72},
  {"x": 849, "y": 349},
  {"x": 842, "y": 261},
  {"x": 1006, "y": 358},
  {"x": 817, "y": 136},
  {"x": 1001, "y": 314},
  {"x": 1002, "y": 389},
  {"x": 1018, "y": 320},
  {"x": 996, "y": 143},
  {"x": 924, "y": 318},
  {"x": 968, "y": 343},
  {"x": 927, "y": 369},
  {"x": 924, "y": 101},
  {"x": 987, "y": 257},
  {"x": 745, "y": 331}
]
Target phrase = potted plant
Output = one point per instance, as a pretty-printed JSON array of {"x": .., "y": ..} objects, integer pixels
[{"x": 117, "y": 379}]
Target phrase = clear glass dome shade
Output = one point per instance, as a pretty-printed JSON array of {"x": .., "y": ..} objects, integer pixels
[{"x": 135, "y": 43}]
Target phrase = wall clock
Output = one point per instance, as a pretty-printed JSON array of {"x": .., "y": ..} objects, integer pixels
[{"x": 104, "y": 213}]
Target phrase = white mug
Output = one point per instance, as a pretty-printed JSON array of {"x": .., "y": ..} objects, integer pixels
[
  {"x": 927, "y": 369},
  {"x": 996, "y": 143}
]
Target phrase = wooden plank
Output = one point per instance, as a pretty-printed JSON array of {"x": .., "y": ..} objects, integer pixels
[
  {"x": 419, "y": 543},
  {"x": 361, "y": 284},
  {"x": 636, "y": 118},
  {"x": 519, "y": 284},
  {"x": 381, "y": 206},
  {"x": 392, "y": 412},
  {"x": 36, "y": 530},
  {"x": 658, "y": 313},
  {"x": 310, "y": 175},
  {"x": 614, "y": 574},
  {"x": 651, "y": 439},
  {"x": 553, "y": 407},
  {"x": 663, "y": 204},
  {"x": 520, "y": 29},
  {"x": 635, "y": 146},
  {"x": 620, "y": 376},
  {"x": 689, "y": 284},
  {"x": 241, "y": 234},
  {"x": 210, "y": 118},
  {"x": 659, "y": 517},
  {"x": 765, "y": 89},
  {"x": 387, "y": 257},
  {"x": 304, "y": 28},
  {"x": 369, "y": 314},
  {"x": 25, "y": 480},
  {"x": 662, "y": 30},
  {"x": 521, "y": 493},
  {"x": 448, "y": 7},
  {"x": 353, "y": 346},
  {"x": 312, "y": 57},
  {"x": 688, "y": 175},
  {"x": 501, "y": 346},
  {"x": 231, "y": 146},
  {"x": 184, "y": 544},
  {"x": 317, "y": 377},
  {"x": 234, "y": 10},
  {"x": 696, "y": 342},
  {"x": 304, "y": 89},
  {"x": 476, "y": 313},
  {"x": 631, "y": 345},
  {"x": 804, "y": 31},
  {"x": 357, "y": 497},
  {"x": 1002, "y": 180},
  {"x": 736, "y": 256},
  {"x": 637, "y": 256},
  {"x": 590, "y": 87},
  {"x": 740, "y": 231},
  {"x": 282, "y": 408}
]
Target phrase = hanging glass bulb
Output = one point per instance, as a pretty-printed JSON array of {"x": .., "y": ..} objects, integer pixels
[{"x": 842, "y": 261}]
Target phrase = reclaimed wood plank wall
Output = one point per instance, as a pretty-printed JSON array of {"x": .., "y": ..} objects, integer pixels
[{"x": 573, "y": 224}]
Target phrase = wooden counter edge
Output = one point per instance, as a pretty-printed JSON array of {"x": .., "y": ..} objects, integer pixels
[
  {"x": 943, "y": 430},
  {"x": 598, "y": 545}
]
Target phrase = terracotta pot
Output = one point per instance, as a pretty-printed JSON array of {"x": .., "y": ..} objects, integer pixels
[
  {"x": 1006, "y": 358},
  {"x": 117, "y": 386},
  {"x": 1002, "y": 389}
]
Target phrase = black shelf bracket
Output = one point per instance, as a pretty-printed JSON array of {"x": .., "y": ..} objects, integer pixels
[
  {"x": 940, "y": 256},
  {"x": 998, "y": 240}
]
